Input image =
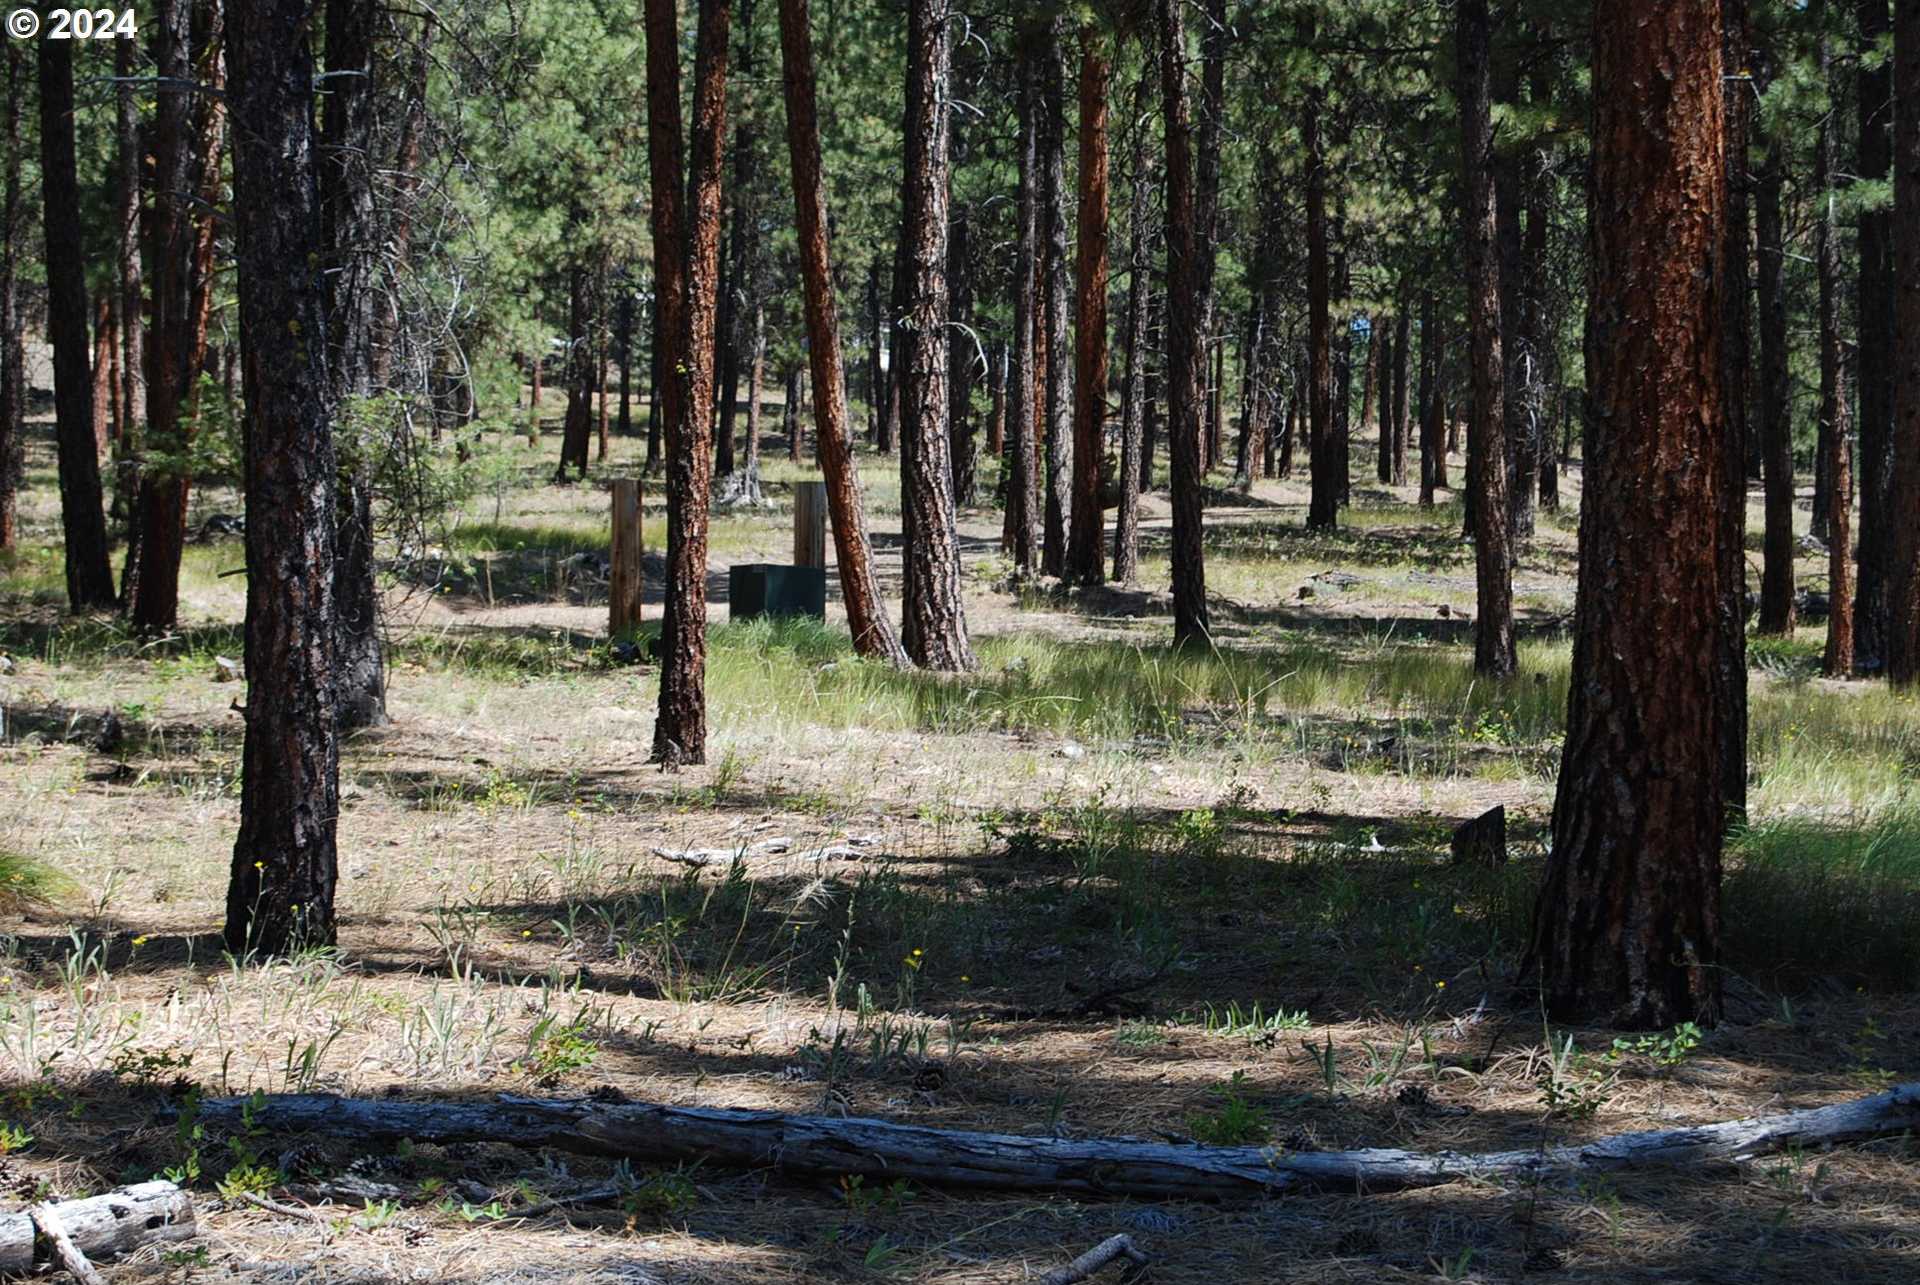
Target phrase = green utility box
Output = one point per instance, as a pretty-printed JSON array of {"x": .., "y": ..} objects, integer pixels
[{"x": 767, "y": 589}]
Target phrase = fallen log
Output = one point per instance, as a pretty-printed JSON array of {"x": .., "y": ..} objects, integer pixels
[
  {"x": 857, "y": 848},
  {"x": 105, "y": 1226},
  {"x": 832, "y": 1146}
]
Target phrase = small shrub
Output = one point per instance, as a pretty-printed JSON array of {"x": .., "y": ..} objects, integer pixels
[{"x": 1236, "y": 1122}]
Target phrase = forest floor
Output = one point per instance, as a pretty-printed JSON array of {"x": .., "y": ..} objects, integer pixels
[{"x": 1102, "y": 888}]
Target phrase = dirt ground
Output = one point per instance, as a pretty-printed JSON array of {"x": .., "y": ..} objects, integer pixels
[{"x": 1040, "y": 932}]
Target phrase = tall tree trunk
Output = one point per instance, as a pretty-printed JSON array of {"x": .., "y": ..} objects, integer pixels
[
  {"x": 1493, "y": 647},
  {"x": 186, "y": 133},
  {"x": 1185, "y": 355},
  {"x": 656, "y": 410},
  {"x": 1126, "y": 521},
  {"x": 680, "y": 728},
  {"x": 13, "y": 374},
  {"x": 859, "y": 587},
  {"x": 390, "y": 336},
  {"x": 1774, "y": 404},
  {"x": 876, "y": 341},
  {"x": 730, "y": 334},
  {"x": 100, "y": 394},
  {"x": 1516, "y": 369},
  {"x": 600, "y": 368},
  {"x": 790, "y": 414},
  {"x": 1731, "y": 567},
  {"x": 757, "y": 388},
  {"x": 280, "y": 896},
  {"x": 1056, "y": 303},
  {"x": 1380, "y": 373},
  {"x": 82, "y": 521},
  {"x": 1903, "y": 509},
  {"x": 576, "y": 433},
  {"x": 1214, "y": 35},
  {"x": 1432, "y": 436},
  {"x": 1873, "y": 95},
  {"x": 997, "y": 416},
  {"x": 1023, "y": 420},
  {"x": 1341, "y": 444},
  {"x": 1084, "y": 563},
  {"x": 623, "y": 355},
  {"x": 1627, "y": 926},
  {"x": 1835, "y": 409},
  {"x": 962, "y": 359},
  {"x": 935, "y": 632},
  {"x": 1402, "y": 343},
  {"x": 1323, "y": 507},
  {"x": 346, "y": 166},
  {"x": 133, "y": 374},
  {"x": 1370, "y": 375}
]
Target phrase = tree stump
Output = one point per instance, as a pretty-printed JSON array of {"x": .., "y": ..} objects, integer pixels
[
  {"x": 628, "y": 546},
  {"x": 1483, "y": 840}
]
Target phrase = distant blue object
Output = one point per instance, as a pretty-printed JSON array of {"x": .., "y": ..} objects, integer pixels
[{"x": 767, "y": 589}]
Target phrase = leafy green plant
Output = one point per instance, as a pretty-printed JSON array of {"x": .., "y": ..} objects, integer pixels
[
  {"x": 666, "y": 1194},
  {"x": 554, "y": 1054},
  {"x": 1667, "y": 1051},
  {"x": 1572, "y": 1085},
  {"x": 14, "y": 1139},
  {"x": 1235, "y": 1122}
]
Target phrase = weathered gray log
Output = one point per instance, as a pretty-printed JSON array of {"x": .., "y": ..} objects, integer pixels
[
  {"x": 829, "y": 1146},
  {"x": 101, "y": 1226}
]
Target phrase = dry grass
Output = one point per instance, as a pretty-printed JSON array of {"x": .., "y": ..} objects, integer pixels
[{"x": 507, "y": 928}]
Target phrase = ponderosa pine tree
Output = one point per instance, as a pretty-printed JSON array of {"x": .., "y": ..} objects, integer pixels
[
  {"x": 1056, "y": 304},
  {"x": 1773, "y": 404},
  {"x": 1323, "y": 507},
  {"x": 186, "y": 136},
  {"x": 691, "y": 234},
  {"x": 83, "y": 523},
  {"x": 13, "y": 376},
  {"x": 285, "y": 862},
  {"x": 1627, "y": 926},
  {"x": 1903, "y": 510},
  {"x": 1493, "y": 646},
  {"x": 935, "y": 626},
  {"x": 1185, "y": 353},
  {"x": 1023, "y": 419},
  {"x": 1133, "y": 410},
  {"x": 347, "y": 159},
  {"x": 1873, "y": 98},
  {"x": 859, "y": 588},
  {"x": 1084, "y": 564}
]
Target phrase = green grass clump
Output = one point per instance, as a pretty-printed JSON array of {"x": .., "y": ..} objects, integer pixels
[
  {"x": 1808, "y": 898},
  {"x": 26, "y": 883}
]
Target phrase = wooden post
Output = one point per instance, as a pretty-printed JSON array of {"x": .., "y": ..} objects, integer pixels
[
  {"x": 624, "y": 585},
  {"x": 810, "y": 524}
]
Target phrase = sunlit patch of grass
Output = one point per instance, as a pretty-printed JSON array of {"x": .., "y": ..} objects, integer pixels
[{"x": 27, "y": 883}]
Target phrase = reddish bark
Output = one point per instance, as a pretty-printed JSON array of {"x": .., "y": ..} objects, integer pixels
[
  {"x": 935, "y": 628},
  {"x": 1084, "y": 563},
  {"x": 1493, "y": 644},
  {"x": 280, "y": 895},
  {"x": 1185, "y": 356},
  {"x": 83, "y": 524},
  {"x": 1627, "y": 926},
  {"x": 859, "y": 587},
  {"x": 680, "y": 729},
  {"x": 1903, "y": 649}
]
